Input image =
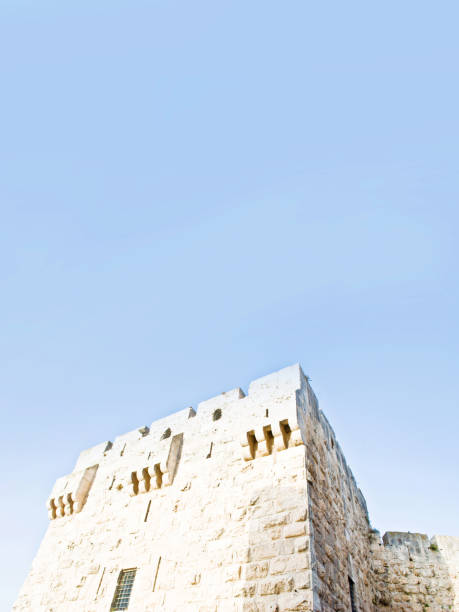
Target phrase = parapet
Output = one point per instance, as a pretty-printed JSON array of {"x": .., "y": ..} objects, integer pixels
[
  {"x": 272, "y": 387},
  {"x": 176, "y": 421},
  {"x": 208, "y": 407},
  {"x": 92, "y": 455},
  {"x": 277, "y": 384},
  {"x": 147, "y": 458},
  {"x": 416, "y": 543}
]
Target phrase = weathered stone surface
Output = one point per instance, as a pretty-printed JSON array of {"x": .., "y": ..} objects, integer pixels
[{"x": 248, "y": 505}]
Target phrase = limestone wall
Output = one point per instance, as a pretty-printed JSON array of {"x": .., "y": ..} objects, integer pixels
[
  {"x": 412, "y": 573},
  {"x": 246, "y": 504},
  {"x": 211, "y": 509}
]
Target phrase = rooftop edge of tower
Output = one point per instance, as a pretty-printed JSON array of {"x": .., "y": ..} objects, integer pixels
[{"x": 276, "y": 384}]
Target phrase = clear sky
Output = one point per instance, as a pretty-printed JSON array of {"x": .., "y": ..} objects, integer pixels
[{"x": 195, "y": 194}]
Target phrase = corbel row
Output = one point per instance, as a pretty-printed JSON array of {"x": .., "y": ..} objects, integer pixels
[
  {"x": 161, "y": 471},
  {"x": 262, "y": 441},
  {"x": 65, "y": 503},
  {"x": 149, "y": 478}
]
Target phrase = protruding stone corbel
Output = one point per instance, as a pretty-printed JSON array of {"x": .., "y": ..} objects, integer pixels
[
  {"x": 133, "y": 484},
  {"x": 249, "y": 445},
  {"x": 60, "y": 506},
  {"x": 144, "y": 480},
  {"x": 68, "y": 502},
  {"x": 165, "y": 476},
  {"x": 156, "y": 478},
  {"x": 52, "y": 510}
]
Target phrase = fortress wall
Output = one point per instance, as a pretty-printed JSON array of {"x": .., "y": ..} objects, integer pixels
[
  {"x": 412, "y": 573},
  {"x": 339, "y": 521},
  {"x": 245, "y": 505},
  {"x": 212, "y": 513}
]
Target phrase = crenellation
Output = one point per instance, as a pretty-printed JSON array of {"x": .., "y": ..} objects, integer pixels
[
  {"x": 246, "y": 504},
  {"x": 92, "y": 455},
  {"x": 207, "y": 408},
  {"x": 177, "y": 421}
]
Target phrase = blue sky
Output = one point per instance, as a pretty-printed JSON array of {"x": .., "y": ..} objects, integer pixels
[{"x": 195, "y": 194}]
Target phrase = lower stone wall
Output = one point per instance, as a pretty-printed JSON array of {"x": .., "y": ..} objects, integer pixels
[{"x": 411, "y": 573}]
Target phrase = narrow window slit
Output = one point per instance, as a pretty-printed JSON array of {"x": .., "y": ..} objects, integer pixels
[
  {"x": 156, "y": 573},
  {"x": 100, "y": 581},
  {"x": 147, "y": 512},
  {"x": 209, "y": 454},
  {"x": 352, "y": 595}
]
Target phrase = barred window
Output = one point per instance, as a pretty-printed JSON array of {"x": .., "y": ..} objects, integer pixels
[{"x": 123, "y": 590}]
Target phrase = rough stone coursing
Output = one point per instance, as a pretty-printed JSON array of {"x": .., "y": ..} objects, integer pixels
[
  {"x": 246, "y": 505},
  {"x": 415, "y": 574}
]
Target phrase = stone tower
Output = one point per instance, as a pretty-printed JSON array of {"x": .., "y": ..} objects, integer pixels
[{"x": 245, "y": 505}]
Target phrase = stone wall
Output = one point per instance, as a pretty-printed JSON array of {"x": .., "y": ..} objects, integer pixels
[
  {"x": 411, "y": 573},
  {"x": 211, "y": 509},
  {"x": 246, "y": 504}
]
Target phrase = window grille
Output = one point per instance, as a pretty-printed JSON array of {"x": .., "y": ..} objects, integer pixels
[{"x": 123, "y": 590}]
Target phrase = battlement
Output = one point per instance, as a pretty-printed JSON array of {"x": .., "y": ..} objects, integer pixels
[
  {"x": 269, "y": 419},
  {"x": 259, "y": 423},
  {"x": 277, "y": 386},
  {"x": 411, "y": 545}
]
